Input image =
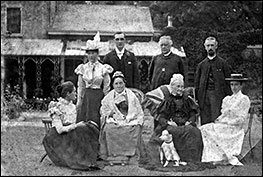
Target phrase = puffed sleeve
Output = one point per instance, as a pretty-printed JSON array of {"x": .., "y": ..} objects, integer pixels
[
  {"x": 57, "y": 116},
  {"x": 79, "y": 69},
  {"x": 107, "y": 69},
  {"x": 191, "y": 104},
  {"x": 80, "y": 84},
  {"x": 163, "y": 111},
  {"x": 238, "y": 114},
  {"x": 192, "y": 109},
  {"x": 53, "y": 109}
]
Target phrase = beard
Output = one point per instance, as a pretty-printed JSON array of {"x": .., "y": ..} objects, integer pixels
[{"x": 211, "y": 53}]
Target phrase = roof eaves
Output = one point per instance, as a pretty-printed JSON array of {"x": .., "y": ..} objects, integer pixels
[{"x": 102, "y": 33}]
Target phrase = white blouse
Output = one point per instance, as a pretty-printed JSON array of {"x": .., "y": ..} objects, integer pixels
[
  {"x": 94, "y": 74},
  {"x": 63, "y": 114}
]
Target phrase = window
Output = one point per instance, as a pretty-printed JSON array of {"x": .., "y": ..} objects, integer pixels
[{"x": 14, "y": 20}]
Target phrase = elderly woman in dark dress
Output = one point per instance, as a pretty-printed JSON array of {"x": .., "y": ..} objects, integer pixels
[
  {"x": 176, "y": 113},
  {"x": 67, "y": 143}
]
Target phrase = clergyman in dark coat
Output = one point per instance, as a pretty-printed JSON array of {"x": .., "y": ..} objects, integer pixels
[
  {"x": 163, "y": 66},
  {"x": 210, "y": 84}
]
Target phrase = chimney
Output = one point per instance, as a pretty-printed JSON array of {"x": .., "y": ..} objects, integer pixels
[{"x": 170, "y": 22}]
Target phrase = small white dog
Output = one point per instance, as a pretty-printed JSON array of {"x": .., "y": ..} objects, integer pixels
[{"x": 168, "y": 150}]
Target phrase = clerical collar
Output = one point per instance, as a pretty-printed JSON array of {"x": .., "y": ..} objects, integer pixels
[
  {"x": 167, "y": 54},
  {"x": 211, "y": 58}
]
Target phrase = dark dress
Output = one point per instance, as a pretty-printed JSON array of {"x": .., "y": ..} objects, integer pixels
[
  {"x": 187, "y": 138},
  {"x": 76, "y": 148}
]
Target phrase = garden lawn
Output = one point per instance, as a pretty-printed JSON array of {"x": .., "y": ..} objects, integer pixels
[{"x": 21, "y": 151}]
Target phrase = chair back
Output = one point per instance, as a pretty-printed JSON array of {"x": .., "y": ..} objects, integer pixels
[
  {"x": 48, "y": 123},
  {"x": 139, "y": 94}
]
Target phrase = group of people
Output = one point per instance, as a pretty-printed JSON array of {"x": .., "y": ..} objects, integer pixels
[{"x": 106, "y": 122}]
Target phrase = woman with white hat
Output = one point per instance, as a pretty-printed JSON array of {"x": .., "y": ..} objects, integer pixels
[
  {"x": 93, "y": 83},
  {"x": 223, "y": 139}
]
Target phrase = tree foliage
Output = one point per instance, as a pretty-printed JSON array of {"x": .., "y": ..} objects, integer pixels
[{"x": 208, "y": 15}]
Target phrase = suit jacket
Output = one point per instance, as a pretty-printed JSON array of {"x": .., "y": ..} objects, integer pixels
[
  {"x": 127, "y": 65},
  {"x": 221, "y": 70},
  {"x": 162, "y": 69}
]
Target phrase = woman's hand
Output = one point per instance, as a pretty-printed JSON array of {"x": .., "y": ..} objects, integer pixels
[
  {"x": 188, "y": 123},
  {"x": 172, "y": 123},
  {"x": 111, "y": 114},
  {"x": 80, "y": 124}
]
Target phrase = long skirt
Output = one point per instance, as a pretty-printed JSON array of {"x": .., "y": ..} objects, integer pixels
[
  {"x": 188, "y": 144},
  {"x": 120, "y": 143},
  {"x": 90, "y": 107},
  {"x": 222, "y": 142},
  {"x": 76, "y": 149}
]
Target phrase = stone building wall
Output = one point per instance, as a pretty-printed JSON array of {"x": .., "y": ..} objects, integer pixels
[{"x": 35, "y": 18}]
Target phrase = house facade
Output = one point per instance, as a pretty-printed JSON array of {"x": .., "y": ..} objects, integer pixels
[{"x": 41, "y": 40}]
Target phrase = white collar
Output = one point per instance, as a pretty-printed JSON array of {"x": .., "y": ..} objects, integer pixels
[
  {"x": 211, "y": 58},
  {"x": 92, "y": 64},
  {"x": 237, "y": 94},
  {"x": 122, "y": 93},
  {"x": 167, "y": 54},
  {"x": 119, "y": 52},
  {"x": 64, "y": 101}
]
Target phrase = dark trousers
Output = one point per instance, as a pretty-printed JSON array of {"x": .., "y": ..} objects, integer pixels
[{"x": 211, "y": 108}]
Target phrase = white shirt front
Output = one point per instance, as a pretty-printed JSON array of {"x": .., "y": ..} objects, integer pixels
[{"x": 119, "y": 53}]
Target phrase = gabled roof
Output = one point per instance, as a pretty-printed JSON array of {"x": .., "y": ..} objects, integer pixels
[
  {"x": 106, "y": 19},
  {"x": 44, "y": 47}
]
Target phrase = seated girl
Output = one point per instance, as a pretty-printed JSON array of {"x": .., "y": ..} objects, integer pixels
[
  {"x": 67, "y": 143},
  {"x": 223, "y": 139},
  {"x": 121, "y": 120}
]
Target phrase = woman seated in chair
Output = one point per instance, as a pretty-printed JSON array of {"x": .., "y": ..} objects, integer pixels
[
  {"x": 67, "y": 143},
  {"x": 177, "y": 114},
  {"x": 121, "y": 120},
  {"x": 223, "y": 139}
]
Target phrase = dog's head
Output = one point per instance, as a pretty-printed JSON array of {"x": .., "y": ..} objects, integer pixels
[{"x": 166, "y": 136}]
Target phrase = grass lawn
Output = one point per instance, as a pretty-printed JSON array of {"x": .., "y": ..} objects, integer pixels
[{"x": 21, "y": 151}]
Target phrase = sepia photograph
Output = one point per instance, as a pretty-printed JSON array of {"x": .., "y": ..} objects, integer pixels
[{"x": 131, "y": 88}]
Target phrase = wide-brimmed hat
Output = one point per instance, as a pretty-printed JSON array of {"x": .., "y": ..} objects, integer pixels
[
  {"x": 92, "y": 45},
  {"x": 237, "y": 77}
]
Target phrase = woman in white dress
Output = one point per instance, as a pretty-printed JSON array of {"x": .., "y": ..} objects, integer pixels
[{"x": 223, "y": 139}]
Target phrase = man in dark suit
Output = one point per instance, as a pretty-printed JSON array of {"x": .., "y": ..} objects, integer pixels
[
  {"x": 210, "y": 84},
  {"x": 123, "y": 60},
  {"x": 163, "y": 66}
]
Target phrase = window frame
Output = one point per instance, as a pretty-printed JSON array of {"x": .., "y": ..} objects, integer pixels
[{"x": 21, "y": 19}]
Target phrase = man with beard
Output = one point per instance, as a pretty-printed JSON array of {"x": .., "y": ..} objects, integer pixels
[{"x": 210, "y": 84}]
